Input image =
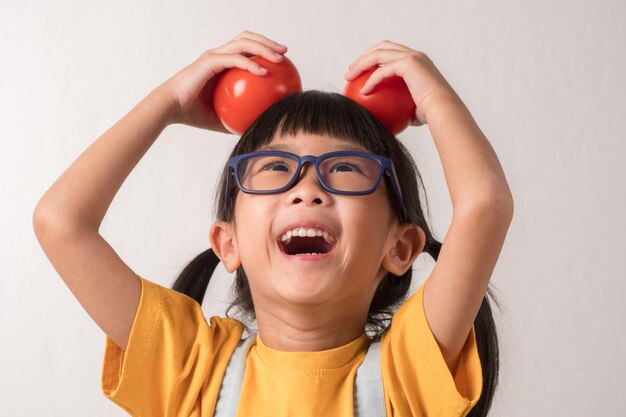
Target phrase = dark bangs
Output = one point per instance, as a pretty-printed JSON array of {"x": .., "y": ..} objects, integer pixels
[{"x": 318, "y": 113}]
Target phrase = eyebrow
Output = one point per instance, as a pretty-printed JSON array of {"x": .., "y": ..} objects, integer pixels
[{"x": 288, "y": 148}]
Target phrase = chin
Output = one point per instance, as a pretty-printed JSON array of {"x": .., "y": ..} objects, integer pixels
[{"x": 306, "y": 289}]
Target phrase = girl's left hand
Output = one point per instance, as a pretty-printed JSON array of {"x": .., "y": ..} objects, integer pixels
[{"x": 419, "y": 73}]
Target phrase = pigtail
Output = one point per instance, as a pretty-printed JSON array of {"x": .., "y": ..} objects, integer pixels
[
  {"x": 432, "y": 247},
  {"x": 488, "y": 351},
  {"x": 193, "y": 281}
]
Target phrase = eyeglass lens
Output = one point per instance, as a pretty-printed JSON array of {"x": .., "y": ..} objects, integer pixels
[{"x": 342, "y": 173}]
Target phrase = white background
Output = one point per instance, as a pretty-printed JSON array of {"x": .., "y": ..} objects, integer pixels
[{"x": 544, "y": 80}]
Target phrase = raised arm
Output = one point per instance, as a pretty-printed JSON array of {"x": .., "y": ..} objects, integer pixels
[
  {"x": 483, "y": 210},
  {"x": 68, "y": 217}
]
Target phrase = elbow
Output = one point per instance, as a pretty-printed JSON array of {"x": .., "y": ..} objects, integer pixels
[
  {"x": 501, "y": 204},
  {"x": 496, "y": 206},
  {"x": 48, "y": 224},
  {"x": 38, "y": 218},
  {"x": 41, "y": 222}
]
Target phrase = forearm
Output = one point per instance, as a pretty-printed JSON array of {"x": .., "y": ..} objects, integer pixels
[
  {"x": 472, "y": 170},
  {"x": 81, "y": 196}
]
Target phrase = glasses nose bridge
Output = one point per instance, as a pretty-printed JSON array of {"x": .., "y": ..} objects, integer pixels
[
  {"x": 308, "y": 158},
  {"x": 303, "y": 160}
]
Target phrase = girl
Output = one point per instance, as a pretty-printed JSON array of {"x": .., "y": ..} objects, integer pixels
[{"x": 319, "y": 215}]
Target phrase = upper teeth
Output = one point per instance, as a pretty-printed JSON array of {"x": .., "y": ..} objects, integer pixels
[{"x": 307, "y": 232}]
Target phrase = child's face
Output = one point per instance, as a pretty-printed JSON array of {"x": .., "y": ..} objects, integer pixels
[{"x": 362, "y": 226}]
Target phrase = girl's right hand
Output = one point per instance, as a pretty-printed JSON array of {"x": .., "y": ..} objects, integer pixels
[{"x": 192, "y": 87}]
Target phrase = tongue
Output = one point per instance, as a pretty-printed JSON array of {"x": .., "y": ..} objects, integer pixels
[{"x": 299, "y": 245}]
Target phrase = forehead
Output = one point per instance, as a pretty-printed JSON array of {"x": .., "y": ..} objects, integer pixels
[{"x": 311, "y": 144}]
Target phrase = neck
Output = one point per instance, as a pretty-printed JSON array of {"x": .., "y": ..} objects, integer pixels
[{"x": 310, "y": 329}]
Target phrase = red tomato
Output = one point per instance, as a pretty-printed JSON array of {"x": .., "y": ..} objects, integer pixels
[
  {"x": 390, "y": 101},
  {"x": 239, "y": 96}
]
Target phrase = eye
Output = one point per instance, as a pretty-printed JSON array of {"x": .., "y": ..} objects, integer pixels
[
  {"x": 345, "y": 167},
  {"x": 277, "y": 165}
]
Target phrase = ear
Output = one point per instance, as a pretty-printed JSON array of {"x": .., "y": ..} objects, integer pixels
[
  {"x": 409, "y": 242},
  {"x": 224, "y": 244}
]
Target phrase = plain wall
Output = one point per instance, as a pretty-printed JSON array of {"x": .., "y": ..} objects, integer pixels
[{"x": 542, "y": 79}]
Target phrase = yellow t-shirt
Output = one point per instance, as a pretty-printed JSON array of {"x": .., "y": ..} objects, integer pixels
[{"x": 175, "y": 361}]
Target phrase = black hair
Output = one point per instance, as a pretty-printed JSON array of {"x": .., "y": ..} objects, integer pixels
[{"x": 332, "y": 114}]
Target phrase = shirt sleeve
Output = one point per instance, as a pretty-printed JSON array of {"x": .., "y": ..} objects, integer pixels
[
  {"x": 173, "y": 356},
  {"x": 416, "y": 378}
]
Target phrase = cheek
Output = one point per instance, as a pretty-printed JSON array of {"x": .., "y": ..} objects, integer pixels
[
  {"x": 250, "y": 209},
  {"x": 367, "y": 221},
  {"x": 374, "y": 208},
  {"x": 253, "y": 218}
]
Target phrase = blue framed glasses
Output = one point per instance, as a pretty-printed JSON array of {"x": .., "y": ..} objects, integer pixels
[{"x": 339, "y": 172}]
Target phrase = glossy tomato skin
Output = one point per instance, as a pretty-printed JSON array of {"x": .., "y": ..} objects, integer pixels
[
  {"x": 390, "y": 101},
  {"x": 239, "y": 96}
]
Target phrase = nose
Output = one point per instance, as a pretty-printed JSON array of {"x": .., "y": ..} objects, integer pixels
[{"x": 307, "y": 189}]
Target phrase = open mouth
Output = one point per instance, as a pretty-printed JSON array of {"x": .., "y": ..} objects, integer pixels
[{"x": 304, "y": 245}]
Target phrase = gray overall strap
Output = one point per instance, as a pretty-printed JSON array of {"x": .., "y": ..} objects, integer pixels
[
  {"x": 228, "y": 397},
  {"x": 369, "y": 398}
]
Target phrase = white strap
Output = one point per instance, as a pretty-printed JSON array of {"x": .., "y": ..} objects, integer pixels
[
  {"x": 369, "y": 398},
  {"x": 228, "y": 397}
]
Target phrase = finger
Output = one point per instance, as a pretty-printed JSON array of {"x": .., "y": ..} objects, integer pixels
[
  {"x": 377, "y": 76},
  {"x": 379, "y": 45},
  {"x": 249, "y": 47},
  {"x": 264, "y": 40},
  {"x": 357, "y": 62},
  {"x": 383, "y": 45},
  {"x": 396, "y": 45},
  {"x": 381, "y": 56},
  {"x": 220, "y": 62}
]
